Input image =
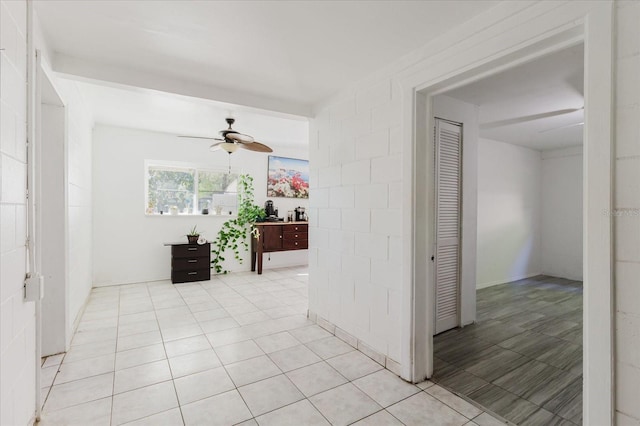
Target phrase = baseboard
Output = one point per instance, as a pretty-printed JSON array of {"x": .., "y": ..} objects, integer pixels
[
  {"x": 551, "y": 274},
  {"x": 76, "y": 321},
  {"x": 492, "y": 283},
  {"x": 213, "y": 274},
  {"x": 356, "y": 343}
]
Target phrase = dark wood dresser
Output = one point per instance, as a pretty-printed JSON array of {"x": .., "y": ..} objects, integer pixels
[
  {"x": 278, "y": 236},
  {"x": 190, "y": 262}
]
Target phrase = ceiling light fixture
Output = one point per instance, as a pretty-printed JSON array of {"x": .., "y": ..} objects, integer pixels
[{"x": 227, "y": 146}]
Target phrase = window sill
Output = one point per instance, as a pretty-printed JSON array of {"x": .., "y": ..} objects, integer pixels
[{"x": 221, "y": 216}]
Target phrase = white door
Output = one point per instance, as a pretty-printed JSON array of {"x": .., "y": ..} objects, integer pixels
[{"x": 448, "y": 234}]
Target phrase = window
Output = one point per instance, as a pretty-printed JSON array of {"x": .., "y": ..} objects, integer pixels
[{"x": 189, "y": 190}]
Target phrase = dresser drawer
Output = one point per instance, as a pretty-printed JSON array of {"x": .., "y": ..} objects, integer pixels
[
  {"x": 293, "y": 244},
  {"x": 189, "y": 276},
  {"x": 191, "y": 250},
  {"x": 190, "y": 263},
  {"x": 295, "y": 228},
  {"x": 295, "y": 236}
]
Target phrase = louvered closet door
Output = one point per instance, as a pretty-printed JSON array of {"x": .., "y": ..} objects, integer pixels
[{"x": 448, "y": 204}]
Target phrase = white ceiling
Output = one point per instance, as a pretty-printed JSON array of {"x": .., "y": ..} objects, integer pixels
[
  {"x": 162, "y": 112},
  {"x": 296, "y": 51},
  {"x": 532, "y": 105}
]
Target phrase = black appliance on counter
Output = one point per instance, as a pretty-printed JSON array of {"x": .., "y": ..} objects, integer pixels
[
  {"x": 271, "y": 212},
  {"x": 300, "y": 214}
]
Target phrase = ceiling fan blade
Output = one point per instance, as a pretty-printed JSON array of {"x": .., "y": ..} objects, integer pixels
[
  {"x": 527, "y": 118},
  {"x": 255, "y": 146},
  {"x": 239, "y": 137},
  {"x": 199, "y": 137}
]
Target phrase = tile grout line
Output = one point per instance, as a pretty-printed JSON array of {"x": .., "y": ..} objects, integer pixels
[
  {"x": 115, "y": 355},
  {"x": 175, "y": 390}
]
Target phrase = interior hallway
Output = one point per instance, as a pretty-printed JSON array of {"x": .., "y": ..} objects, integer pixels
[
  {"x": 236, "y": 349},
  {"x": 523, "y": 358}
]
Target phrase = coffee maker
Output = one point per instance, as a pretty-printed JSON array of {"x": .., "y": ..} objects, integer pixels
[
  {"x": 269, "y": 209},
  {"x": 300, "y": 215},
  {"x": 271, "y": 212}
]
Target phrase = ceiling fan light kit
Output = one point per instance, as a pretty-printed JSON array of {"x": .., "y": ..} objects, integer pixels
[{"x": 227, "y": 146}]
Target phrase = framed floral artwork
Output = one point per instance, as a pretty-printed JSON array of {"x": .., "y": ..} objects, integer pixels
[{"x": 288, "y": 177}]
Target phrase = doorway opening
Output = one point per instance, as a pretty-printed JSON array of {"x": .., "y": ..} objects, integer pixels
[
  {"x": 421, "y": 89},
  {"x": 515, "y": 346}
]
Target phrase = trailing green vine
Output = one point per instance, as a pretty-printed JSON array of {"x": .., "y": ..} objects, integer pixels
[{"x": 233, "y": 234}]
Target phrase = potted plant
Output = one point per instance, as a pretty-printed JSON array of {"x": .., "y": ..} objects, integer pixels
[
  {"x": 193, "y": 235},
  {"x": 233, "y": 234}
]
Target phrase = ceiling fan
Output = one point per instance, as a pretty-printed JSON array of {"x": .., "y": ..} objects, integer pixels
[{"x": 231, "y": 140}]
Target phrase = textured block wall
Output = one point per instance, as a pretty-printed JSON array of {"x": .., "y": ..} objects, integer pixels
[
  {"x": 17, "y": 318},
  {"x": 627, "y": 212},
  {"x": 355, "y": 253}
]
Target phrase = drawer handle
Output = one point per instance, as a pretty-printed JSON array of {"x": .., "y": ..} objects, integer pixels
[
  {"x": 280, "y": 236},
  {"x": 296, "y": 228},
  {"x": 192, "y": 273},
  {"x": 296, "y": 235},
  {"x": 296, "y": 243},
  {"x": 192, "y": 248},
  {"x": 192, "y": 261}
]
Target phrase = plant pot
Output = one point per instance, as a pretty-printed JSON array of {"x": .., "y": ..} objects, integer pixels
[{"x": 193, "y": 239}]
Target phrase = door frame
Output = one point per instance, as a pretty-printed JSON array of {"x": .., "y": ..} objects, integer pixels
[
  {"x": 42, "y": 91},
  {"x": 51, "y": 112},
  {"x": 525, "y": 32}
]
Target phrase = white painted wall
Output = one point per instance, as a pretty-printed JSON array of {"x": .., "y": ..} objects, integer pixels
[
  {"x": 561, "y": 216},
  {"x": 17, "y": 318},
  {"x": 627, "y": 214},
  {"x": 52, "y": 229},
  {"x": 79, "y": 196},
  {"x": 509, "y": 210},
  {"x": 127, "y": 245},
  {"x": 461, "y": 112}
]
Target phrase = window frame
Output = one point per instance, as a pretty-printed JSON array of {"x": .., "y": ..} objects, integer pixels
[{"x": 186, "y": 166}]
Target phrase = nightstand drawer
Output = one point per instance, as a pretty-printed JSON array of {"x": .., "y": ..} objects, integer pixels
[
  {"x": 191, "y": 250},
  {"x": 189, "y": 276},
  {"x": 190, "y": 263}
]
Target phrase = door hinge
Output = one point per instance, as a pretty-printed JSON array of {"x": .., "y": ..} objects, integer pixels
[{"x": 33, "y": 287}]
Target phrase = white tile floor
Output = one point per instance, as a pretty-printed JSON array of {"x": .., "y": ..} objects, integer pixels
[{"x": 234, "y": 350}]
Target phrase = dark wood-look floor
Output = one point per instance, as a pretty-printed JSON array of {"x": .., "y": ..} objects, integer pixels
[{"x": 523, "y": 358}]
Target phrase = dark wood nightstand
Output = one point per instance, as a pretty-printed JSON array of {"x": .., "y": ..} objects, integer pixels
[{"x": 190, "y": 262}]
